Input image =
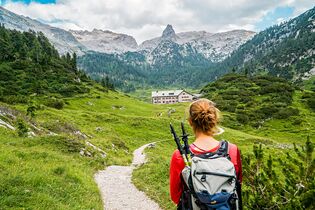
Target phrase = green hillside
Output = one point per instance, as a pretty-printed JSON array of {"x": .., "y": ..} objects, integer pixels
[
  {"x": 129, "y": 71},
  {"x": 43, "y": 168},
  {"x": 30, "y": 65},
  {"x": 259, "y": 104},
  {"x": 284, "y": 50}
]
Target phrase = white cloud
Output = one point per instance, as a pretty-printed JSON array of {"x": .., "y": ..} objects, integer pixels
[
  {"x": 301, "y": 6},
  {"x": 146, "y": 19}
]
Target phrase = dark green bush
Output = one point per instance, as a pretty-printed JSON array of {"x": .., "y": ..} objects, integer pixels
[
  {"x": 307, "y": 95},
  {"x": 311, "y": 102},
  {"x": 268, "y": 110},
  {"x": 285, "y": 113},
  {"x": 14, "y": 99},
  {"x": 21, "y": 128},
  {"x": 54, "y": 103},
  {"x": 242, "y": 118},
  {"x": 31, "y": 109},
  {"x": 297, "y": 121}
]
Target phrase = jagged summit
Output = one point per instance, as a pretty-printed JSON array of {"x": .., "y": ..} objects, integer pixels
[
  {"x": 168, "y": 32},
  {"x": 213, "y": 46}
]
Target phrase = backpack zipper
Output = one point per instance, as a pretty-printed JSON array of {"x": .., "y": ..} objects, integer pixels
[{"x": 214, "y": 173}]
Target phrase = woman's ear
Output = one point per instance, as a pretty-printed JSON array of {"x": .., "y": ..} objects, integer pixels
[{"x": 190, "y": 122}]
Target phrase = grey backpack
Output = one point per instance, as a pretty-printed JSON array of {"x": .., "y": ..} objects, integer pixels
[{"x": 211, "y": 180}]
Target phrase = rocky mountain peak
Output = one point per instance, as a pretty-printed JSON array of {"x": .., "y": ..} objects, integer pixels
[
  {"x": 168, "y": 32},
  {"x": 105, "y": 41}
]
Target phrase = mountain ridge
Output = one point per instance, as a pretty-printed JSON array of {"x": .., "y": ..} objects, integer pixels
[
  {"x": 63, "y": 40},
  {"x": 285, "y": 50},
  {"x": 213, "y": 46},
  {"x": 106, "y": 41}
]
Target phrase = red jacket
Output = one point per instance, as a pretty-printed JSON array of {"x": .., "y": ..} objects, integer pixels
[{"x": 177, "y": 165}]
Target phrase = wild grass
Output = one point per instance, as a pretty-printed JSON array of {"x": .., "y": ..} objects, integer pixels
[{"x": 40, "y": 173}]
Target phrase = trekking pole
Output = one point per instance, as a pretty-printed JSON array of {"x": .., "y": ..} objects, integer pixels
[
  {"x": 185, "y": 140},
  {"x": 179, "y": 146}
]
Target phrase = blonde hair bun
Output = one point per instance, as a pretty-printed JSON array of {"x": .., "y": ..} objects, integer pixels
[{"x": 204, "y": 116}]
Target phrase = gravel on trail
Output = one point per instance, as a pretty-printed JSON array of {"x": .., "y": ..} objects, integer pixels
[{"x": 117, "y": 189}]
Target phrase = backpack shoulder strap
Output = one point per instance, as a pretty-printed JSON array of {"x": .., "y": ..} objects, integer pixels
[{"x": 224, "y": 148}]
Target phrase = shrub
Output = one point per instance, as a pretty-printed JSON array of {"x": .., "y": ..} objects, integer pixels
[
  {"x": 21, "y": 128},
  {"x": 283, "y": 98},
  {"x": 242, "y": 118},
  {"x": 285, "y": 113},
  {"x": 291, "y": 187},
  {"x": 14, "y": 99},
  {"x": 268, "y": 110},
  {"x": 276, "y": 88},
  {"x": 307, "y": 95},
  {"x": 30, "y": 111},
  {"x": 311, "y": 102},
  {"x": 297, "y": 121},
  {"x": 55, "y": 103}
]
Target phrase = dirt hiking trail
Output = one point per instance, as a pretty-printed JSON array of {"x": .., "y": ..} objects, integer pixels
[{"x": 117, "y": 190}]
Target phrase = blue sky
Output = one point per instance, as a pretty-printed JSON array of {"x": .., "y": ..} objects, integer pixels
[
  {"x": 275, "y": 16},
  {"x": 29, "y": 1},
  {"x": 146, "y": 19}
]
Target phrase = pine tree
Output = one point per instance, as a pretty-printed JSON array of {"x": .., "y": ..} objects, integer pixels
[
  {"x": 246, "y": 71},
  {"x": 74, "y": 61},
  {"x": 265, "y": 190}
]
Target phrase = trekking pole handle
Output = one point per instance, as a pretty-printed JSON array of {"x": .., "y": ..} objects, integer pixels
[
  {"x": 185, "y": 140},
  {"x": 179, "y": 146}
]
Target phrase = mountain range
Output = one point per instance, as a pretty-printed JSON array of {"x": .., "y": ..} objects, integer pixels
[
  {"x": 63, "y": 40},
  {"x": 285, "y": 50},
  {"x": 186, "y": 59},
  {"x": 173, "y": 59},
  {"x": 215, "y": 46}
]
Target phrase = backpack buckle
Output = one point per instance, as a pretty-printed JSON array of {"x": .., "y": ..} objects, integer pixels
[{"x": 203, "y": 178}]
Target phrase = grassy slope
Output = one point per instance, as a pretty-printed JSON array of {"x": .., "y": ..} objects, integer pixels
[
  {"x": 153, "y": 177},
  {"x": 36, "y": 174},
  {"x": 310, "y": 83},
  {"x": 285, "y": 130},
  {"x": 41, "y": 173}
]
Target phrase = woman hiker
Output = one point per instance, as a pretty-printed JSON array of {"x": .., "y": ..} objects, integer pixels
[{"x": 203, "y": 118}]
